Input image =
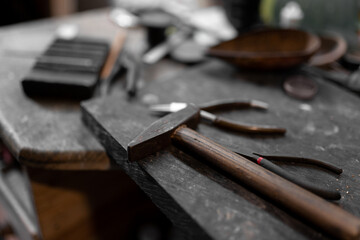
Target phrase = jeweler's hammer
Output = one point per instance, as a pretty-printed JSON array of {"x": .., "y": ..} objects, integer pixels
[{"x": 177, "y": 128}]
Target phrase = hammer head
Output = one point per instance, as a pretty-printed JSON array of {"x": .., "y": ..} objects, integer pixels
[{"x": 158, "y": 135}]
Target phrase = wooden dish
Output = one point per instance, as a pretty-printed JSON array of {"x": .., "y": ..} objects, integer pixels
[
  {"x": 268, "y": 49},
  {"x": 332, "y": 48}
]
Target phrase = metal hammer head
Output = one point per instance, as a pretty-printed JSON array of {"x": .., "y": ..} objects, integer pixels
[{"x": 158, "y": 135}]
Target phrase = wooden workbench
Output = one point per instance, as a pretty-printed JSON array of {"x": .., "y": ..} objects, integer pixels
[
  {"x": 207, "y": 203},
  {"x": 48, "y": 137},
  {"x": 39, "y": 132},
  {"x": 70, "y": 198}
]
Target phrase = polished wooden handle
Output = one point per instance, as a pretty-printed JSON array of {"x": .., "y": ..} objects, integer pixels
[
  {"x": 317, "y": 211},
  {"x": 236, "y": 126}
]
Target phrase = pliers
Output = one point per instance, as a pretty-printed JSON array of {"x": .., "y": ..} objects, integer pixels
[
  {"x": 207, "y": 108},
  {"x": 264, "y": 161}
]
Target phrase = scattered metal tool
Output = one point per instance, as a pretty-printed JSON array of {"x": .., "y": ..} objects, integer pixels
[
  {"x": 126, "y": 62},
  {"x": 158, "y": 52},
  {"x": 123, "y": 18},
  {"x": 189, "y": 52},
  {"x": 175, "y": 129},
  {"x": 263, "y": 160},
  {"x": 117, "y": 62},
  {"x": 226, "y": 104},
  {"x": 113, "y": 62},
  {"x": 350, "y": 81},
  {"x": 220, "y": 121},
  {"x": 133, "y": 68}
]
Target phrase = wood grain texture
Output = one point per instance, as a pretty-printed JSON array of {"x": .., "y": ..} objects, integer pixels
[
  {"x": 129, "y": 130},
  {"x": 322, "y": 129},
  {"x": 45, "y": 133}
]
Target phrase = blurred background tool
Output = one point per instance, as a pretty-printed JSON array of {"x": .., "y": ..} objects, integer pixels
[
  {"x": 120, "y": 61},
  {"x": 133, "y": 75},
  {"x": 113, "y": 63},
  {"x": 168, "y": 28},
  {"x": 67, "y": 69},
  {"x": 123, "y": 18},
  {"x": 350, "y": 80},
  {"x": 161, "y": 50},
  {"x": 189, "y": 52},
  {"x": 158, "y": 24}
]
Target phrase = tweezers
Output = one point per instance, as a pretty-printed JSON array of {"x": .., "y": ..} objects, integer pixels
[{"x": 264, "y": 161}]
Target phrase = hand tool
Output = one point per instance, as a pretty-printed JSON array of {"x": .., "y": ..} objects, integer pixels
[
  {"x": 126, "y": 62},
  {"x": 176, "y": 129},
  {"x": 118, "y": 60},
  {"x": 263, "y": 160},
  {"x": 341, "y": 76},
  {"x": 220, "y": 121},
  {"x": 123, "y": 18},
  {"x": 133, "y": 68},
  {"x": 159, "y": 51},
  {"x": 113, "y": 63},
  {"x": 232, "y": 103}
]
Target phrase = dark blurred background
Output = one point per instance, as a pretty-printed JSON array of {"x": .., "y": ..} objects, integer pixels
[{"x": 16, "y": 11}]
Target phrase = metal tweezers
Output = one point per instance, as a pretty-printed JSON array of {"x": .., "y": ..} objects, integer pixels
[
  {"x": 220, "y": 105},
  {"x": 264, "y": 161}
]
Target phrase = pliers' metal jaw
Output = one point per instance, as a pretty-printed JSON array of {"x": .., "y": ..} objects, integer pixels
[{"x": 221, "y": 105}]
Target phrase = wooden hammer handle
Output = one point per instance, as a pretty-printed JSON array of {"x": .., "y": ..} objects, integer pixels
[{"x": 330, "y": 218}]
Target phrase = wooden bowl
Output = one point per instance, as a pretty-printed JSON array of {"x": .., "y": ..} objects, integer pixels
[
  {"x": 332, "y": 48},
  {"x": 268, "y": 49}
]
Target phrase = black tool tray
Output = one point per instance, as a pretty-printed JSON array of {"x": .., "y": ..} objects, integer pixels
[{"x": 67, "y": 68}]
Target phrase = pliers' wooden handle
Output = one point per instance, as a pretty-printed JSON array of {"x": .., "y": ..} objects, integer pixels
[
  {"x": 236, "y": 126},
  {"x": 233, "y": 125}
]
